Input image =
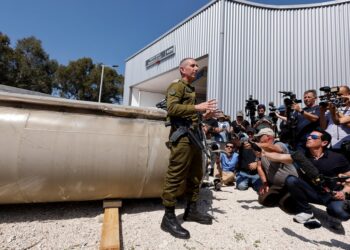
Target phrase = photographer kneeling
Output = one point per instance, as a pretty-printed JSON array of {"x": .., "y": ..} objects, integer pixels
[
  {"x": 306, "y": 190},
  {"x": 273, "y": 174},
  {"x": 246, "y": 171}
]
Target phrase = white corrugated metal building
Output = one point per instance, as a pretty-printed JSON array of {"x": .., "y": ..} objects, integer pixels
[{"x": 247, "y": 49}]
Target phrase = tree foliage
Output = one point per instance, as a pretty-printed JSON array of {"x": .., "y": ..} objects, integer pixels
[
  {"x": 34, "y": 69},
  {"x": 80, "y": 80},
  {"x": 28, "y": 66},
  {"x": 7, "y": 61},
  {"x": 73, "y": 81},
  {"x": 112, "y": 88}
]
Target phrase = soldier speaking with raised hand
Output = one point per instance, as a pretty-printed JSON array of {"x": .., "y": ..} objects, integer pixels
[{"x": 185, "y": 162}]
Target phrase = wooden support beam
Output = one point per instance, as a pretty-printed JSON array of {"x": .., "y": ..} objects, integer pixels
[{"x": 110, "y": 239}]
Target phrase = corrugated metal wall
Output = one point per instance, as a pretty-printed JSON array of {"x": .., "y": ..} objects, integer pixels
[
  {"x": 268, "y": 50},
  {"x": 196, "y": 37},
  {"x": 265, "y": 50}
]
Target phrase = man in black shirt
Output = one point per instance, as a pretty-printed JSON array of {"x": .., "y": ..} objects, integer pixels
[
  {"x": 329, "y": 164},
  {"x": 262, "y": 120},
  {"x": 240, "y": 124},
  {"x": 247, "y": 174},
  {"x": 246, "y": 171},
  {"x": 307, "y": 117}
]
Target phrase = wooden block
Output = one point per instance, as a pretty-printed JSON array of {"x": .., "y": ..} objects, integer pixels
[
  {"x": 110, "y": 239},
  {"x": 112, "y": 203}
]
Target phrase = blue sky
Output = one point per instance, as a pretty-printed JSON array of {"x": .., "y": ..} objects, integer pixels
[{"x": 108, "y": 31}]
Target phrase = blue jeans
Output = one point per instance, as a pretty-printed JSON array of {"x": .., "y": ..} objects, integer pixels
[
  {"x": 304, "y": 194},
  {"x": 244, "y": 180}
]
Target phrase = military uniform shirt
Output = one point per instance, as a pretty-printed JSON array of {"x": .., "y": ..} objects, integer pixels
[{"x": 181, "y": 98}]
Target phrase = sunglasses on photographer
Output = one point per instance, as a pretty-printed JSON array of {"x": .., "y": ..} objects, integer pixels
[{"x": 313, "y": 137}]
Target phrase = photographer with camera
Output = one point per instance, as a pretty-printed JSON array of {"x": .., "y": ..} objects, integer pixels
[
  {"x": 262, "y": 120},
  {"x": 240, "y": 124},
  {"x": 224, "y": 126},
  {"x": 273, "y": 174},
  {"x": 250, "y": 109},
  {"x": 281, "y": 114},
  {"x": 307, "y": 189},
  {"x": 246, "y": 171},
  {"x": 307, "y": 117},
  {"x": 336, "y": 121}
]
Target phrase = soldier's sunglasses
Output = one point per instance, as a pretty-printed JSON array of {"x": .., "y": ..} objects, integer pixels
[{"x": 227, "y": 146}]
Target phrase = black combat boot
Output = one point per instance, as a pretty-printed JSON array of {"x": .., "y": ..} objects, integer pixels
[
  {"x": 172, "y": 226},
  {"x": 192, "y": 214}
]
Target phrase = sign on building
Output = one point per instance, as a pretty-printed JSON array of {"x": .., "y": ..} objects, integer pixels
[{"x": 160, "y": 57}]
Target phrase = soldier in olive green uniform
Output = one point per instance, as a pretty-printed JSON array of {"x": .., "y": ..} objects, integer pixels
[{"x": 185, "y": 163}]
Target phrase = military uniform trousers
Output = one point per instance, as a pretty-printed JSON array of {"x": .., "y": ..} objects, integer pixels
[{"x": 184, "y": 170}]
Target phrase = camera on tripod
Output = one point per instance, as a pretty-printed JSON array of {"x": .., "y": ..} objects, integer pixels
[
  {"x": 290, "y": 98},
  {"x": 272, "y": 114},
  {"x": 288, "y": 134},
  {"x": 250, "y": 108},
  {"x": 331, "y": 96},
  {"x": 251, "y": 104}
]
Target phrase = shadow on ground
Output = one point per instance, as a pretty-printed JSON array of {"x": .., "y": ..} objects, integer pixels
[
  {"x": 328, "y": 222},
  {"x": 331, "y": 244},
  {"x": 49, "y": 211}
]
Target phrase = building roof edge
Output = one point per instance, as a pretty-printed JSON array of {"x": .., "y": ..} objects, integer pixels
[{"x": 253, "y": 4}]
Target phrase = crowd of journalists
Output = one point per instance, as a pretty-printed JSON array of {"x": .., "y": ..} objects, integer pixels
[{"x": 266, "y": 148}]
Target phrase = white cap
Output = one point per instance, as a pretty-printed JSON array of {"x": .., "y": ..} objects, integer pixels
[{"x": 265, "y": 131}]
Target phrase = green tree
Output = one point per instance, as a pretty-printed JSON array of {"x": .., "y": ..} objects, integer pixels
[
  {"x": 34, "y": 69},
  {"x": 28, "y": 66},
  {"x": 73, "y": 81},
  {"x": 80, "y": 80},
  {"x": 112, "y": 89},
  {"x": 6, "y": 61}
]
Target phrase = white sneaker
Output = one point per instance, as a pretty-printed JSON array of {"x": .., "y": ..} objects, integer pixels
[{"x": 303, "y": 217}]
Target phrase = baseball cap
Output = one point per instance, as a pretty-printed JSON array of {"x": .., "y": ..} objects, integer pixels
[
  {"x": 240, "y": 113},
  {"x": 265, "y": 131},
  {"x": 282, "y": 108},
  {"x": 250, "y": 130}
]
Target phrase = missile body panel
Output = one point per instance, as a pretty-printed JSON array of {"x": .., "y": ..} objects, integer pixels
[{"x": 54, "y": 149}]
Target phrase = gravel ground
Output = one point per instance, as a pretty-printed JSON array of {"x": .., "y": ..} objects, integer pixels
[{"x": 239, "y": 223}]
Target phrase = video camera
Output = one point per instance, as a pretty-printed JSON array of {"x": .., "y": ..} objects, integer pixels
[
  {"x": 272, "y": 114},
  {"x": 251, "y": 103},
  {"x": 250, "y": 108},
  {"x": 272, "y": 107},
  {"x": 331, "y": 96},
  {"x": 288, "y": 134},
  {"x": 290, "y": 98},
  {"x": 254, "y": 146}
]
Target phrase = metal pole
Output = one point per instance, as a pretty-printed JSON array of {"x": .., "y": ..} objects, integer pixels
[
  {"x": 221, "y": 55},
  {"x": 101, "y": 84}
]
